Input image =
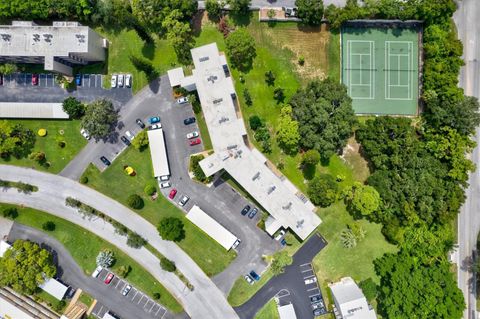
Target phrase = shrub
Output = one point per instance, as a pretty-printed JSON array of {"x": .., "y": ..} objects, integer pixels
[
  {"x": 224, "y": 26},
  {"x": 84, "y": 179},
  {"x": 271, "y": 14},
  {"x": 59, "y": 305},
  {"x": 73, "y": 107},
  {"x": 135, "y": 240},
  {"x": 61, "y": 144},
  {"x": 214, "y": 9},
  {"x": 247, "y": 97},
  {"x": 279, "y": 95},
  {"x": 123, "y": 270},
  {"x": 135, "y": 201},
  {"x": 167, "y": 264},
  {"x": 270, "y": 77},
  {"x": 10, "y": 212},
  {"x": 171, "y": 228},
  {"x": 301, "y": 60},
  {"x": 197, "y": 169},
  {"x": 42, "y": 132},
  {"x": 369, "y": 288},
  {"x": 156, "y": 295},
  {"x": 150, "y": 190},
  {"x": 255, "y": 122},
  {"x": 311, "y": 157},
  {"x": 140, "y": 142},
  {"x": 120, "y": 229},
  {"x": 323, "y": 190},
  {"x": 48, "y": 226}
]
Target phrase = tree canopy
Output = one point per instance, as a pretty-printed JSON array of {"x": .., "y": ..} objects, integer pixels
[
  {"x": 310, "y": 11},
  {"x": 73, "y": 107},
  {"x": 287, "y": 133},
  {"x": 15, "y": 140},
  {"x": 239, "y": 7},
  {"x": 364, "y": 199},
  {"x": 152, "y": 13},
  {"x": 140, "y": 142},
  {"x": 100, "y": 118},
  {"x": 241, "y": 49},
  {"x": 323, "y": 190},
  {"x": 171, "y": 228}
]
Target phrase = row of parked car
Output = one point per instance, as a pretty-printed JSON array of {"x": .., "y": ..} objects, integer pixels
[
  {"x": 252, "y": 277},
  {"x": 121, "y": 80},
  {"x": 109, "y": 279}
]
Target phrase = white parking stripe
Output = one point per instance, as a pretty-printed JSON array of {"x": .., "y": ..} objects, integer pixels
[
  {"x": 315, "y": 288},
  {"x": 307, "y": 270},
  {"x": 156, "y": 313},
  {"x": 307, "y": 264},
  {"x": 135, "y": 295},
  {"x": 118, "y": 283},
  {"x": 152, "y": 307},
  {"x": 310, "y": 276},
  {"x": 140, "y": 299}
]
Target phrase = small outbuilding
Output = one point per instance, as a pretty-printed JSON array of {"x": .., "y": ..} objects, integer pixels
[
  {"x": 54, "y": 288},
  {"x": 287, "y": 312}
]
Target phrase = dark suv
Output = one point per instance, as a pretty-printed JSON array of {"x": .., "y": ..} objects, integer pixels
[
  {"x": 105, "y": 161},
  {"x": 188, "y": 121},
  {"x": 140, "y": 123},
  {"x": 245, "y": 210}
]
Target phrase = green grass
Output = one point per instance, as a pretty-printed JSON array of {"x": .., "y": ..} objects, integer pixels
[
  {"x": 202, "y": 126},
  {"x": 333, "y": 56},
  {"x": 86, "y": 299},
  {"x": 85, "y": 252},
  {"x": 269, "y": 311},
  {"x": 51, "y": 301},
  {"x": 207, "y": 253},
  {"x": 57, "y": 157}
]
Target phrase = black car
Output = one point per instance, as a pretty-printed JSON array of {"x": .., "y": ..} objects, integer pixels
[
  {"x": 105, "y": 161},
  {"x": 188, "y": 121},
  {"x": 245, "y": 210},
  {"x": 319, "y": 312},
  {"x": 254, "y": 275},
  {"x": 140, "y": 123},
  {"x": 315, "y": 298},
  {"x": 1, "y": 79},
  {"x": 252, "y": 213},
  {"x": 125, "y": 140}
]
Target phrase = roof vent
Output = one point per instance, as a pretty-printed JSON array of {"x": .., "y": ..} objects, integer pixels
[
  {"x": 256, "y": 176},
  {"x": 231, "y": 147},
  {"x": 271, "y": 189},
  {"x": 288, "y": 206},
  {"x": 217, "y": 101},
  {"x": 223, "y": 119},
  {"x": 203, "y": 59}
]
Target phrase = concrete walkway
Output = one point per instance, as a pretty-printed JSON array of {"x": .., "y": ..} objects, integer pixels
[
  {"x": 206, "y": 301},
  {"x": 5, "y": 226}
]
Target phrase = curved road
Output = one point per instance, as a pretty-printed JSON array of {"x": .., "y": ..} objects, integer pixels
[{"x": 206, "y": 301}]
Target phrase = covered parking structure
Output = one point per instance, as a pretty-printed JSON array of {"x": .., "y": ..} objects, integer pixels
[{"x": 158, "y": 152}]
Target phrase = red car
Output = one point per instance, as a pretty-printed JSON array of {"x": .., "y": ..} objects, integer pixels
[
  {"x": 109, "y": 278},
  {"x": 34, "y": 79},
  {"x": 172, "y": 194},
  {"x": 195, "y": 141}
]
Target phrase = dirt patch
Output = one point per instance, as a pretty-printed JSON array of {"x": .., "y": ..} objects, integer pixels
[{"x": 351, "y": 155}]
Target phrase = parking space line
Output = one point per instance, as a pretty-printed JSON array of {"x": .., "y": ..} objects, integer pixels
[
  {"x": 140, "y": 299},
  {"x": 315, "y": 288},
  {"x": 307, "y": 270},
  {"x": 309, "y": 276},
  {"x": 118, "y": 283},
  {"x": 158, "y": 311},
  {"x": 307, "y": 264},
  {"x": 151, "y": 308},
  {"x": 135, "y": 295}
]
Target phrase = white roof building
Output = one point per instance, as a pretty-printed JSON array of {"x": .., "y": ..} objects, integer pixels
[
  {"x": 286, "y": 312},
  {"x": 350, "y": 301},
  {"x": 158, "y": 152},
  {"x": 16, "y": 306},
  {"x": 210, "y": 226},
  {"x": 54, "y": 288},
  {"x": 32, "y": 110},
  {"x": 286, "y": 205},
  {"x": 4, "y": 246}
]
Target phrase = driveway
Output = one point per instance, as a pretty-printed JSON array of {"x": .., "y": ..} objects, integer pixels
[
  {"x": 290, "y": 285},
  {"x": 71, "y": 274}
]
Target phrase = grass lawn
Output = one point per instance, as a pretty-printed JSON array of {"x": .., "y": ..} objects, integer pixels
[
  {"x": 57, "y": 130},
  {"x": 202, "y": 126},
  {"x": 269, "y": 311},
  {"x": 85, "y": 252},
  {"x": 57, "y": 305},
  {"x": 211, "y": 257},
  {"x": 86, "y": 299}
]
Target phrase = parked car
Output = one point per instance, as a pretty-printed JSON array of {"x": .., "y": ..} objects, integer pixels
[
  {"x": 155, "y": 126},
  {"x": 109, "y": 278},
  {"x": 290, "y": 11},
  {"x": 254, "y": 275},
  {"x": 189, "y": 121},
  {"x": 121, "y": 77},
  {"x": 129, "y": 135},
  {"x": 318, "y": 312},
  {"x": 34, "y": 79},
  {"x": 125, "y": 140},
  {"x": 140, "y": 123},
  {"x": 183, "y": 200},
  {"x": 252, "y": 213},
  {"x": 128, "y": 80},
  {"x": 280, "y": 235},
  {"x": 315, "y": 298},
  {"x": 126, "y": 290},
  {"x": 310, "y": 280},
  {"x": 245, "y": 210},
  {"x": 182, "y": 100},
  {"x": 97, "y": 271},
  {"x": 164, "y": 178},
  {"x": 192, "y": 134},
  {"x": 154, "y": 119},
  {"x": 318, "y": 305},
  {"x": 249, "y": 279},
  {"x": 1, "y": 79},
  {"x": 165, "y": 185},
  {"x": 78, "y": 79},
  {"x": 113, "y": 81},
  {"x": 85, "y": 133},
  {"x": 195, "y": 142},
  {"x": 105, "y": 161},
  {"x": 236, "y": 243},
  {"x": 172, "y": 194}
]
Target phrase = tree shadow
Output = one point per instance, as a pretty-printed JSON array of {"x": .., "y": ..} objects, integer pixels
[
  {"x": 148, "y": 50},
  {"x": 308, "y": 171},
  {"x": 241, "y": 20}
]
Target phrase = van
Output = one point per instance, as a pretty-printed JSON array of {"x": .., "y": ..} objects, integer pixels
[{"x": 97, "y": 271}]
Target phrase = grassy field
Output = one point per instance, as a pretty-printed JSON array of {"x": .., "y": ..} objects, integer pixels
[
  {"x": 211, "y": 257},
  {"x": 51, "y": 301},
  {"x": 57, "y": 130},
  {"x": 202, "y": 126},
  {"x": 86, "y": 299},
  {"x": 269, "y": 311},
  {"x": 85, "y": 252}
]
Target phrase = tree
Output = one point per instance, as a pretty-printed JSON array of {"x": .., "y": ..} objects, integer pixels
[
  {"x": 179, "y": 34},
  {"x": 156, "y": 295},
  {"x": 279, "y": 94},
  {"x": 105, "y": 258},
  {"x": 247, "y": 97},
  {"x": 117, "y": 13},
  {"x": 369, "y": 288},
  {"x": 8, "y": 68},
  {"x": 150, "y": 189},
  {"x": 224, "y": 26},
  {"x": 325, "y": 116},
  {"x": 151, "y": 13},
  {"x": 323, "y": 190},
  {"x": 140, "y": 142},
  {"x": 167, "y": 264},
  {"x": 120, "y": 229},
  {"x": 73, "y": 107},
  {"x": 255, "y": 122},
  {"x": 24, "y": 266},
  {"x": 10, "y": 212},
  {"x": 171, "y": 228},
  {"x": 197, "y": 170},
  {"x": 270, "y": 78},
  {"x": 280, "y": 260},
  {"x": 135, "y": 201},
  {"x": 363, "y": 199},
  {"x": 214, "y": 9},
  {"x": 239, "y": 7},
  {"x": 348, "y": 238},
  {"x": 287, "y": 134},
  {"x": 310, "y": 11},
  {"x": 311, "y": 158},
  {"x": 123, "y": 270},
  {"x": 48, "y": 226},
  {"x": 100, "y": 118},
  {"x": 38, "y": 157},
  {"x": 240, "y": 47},
  {"x": 15, "y": 140},
  {"x": 135, "y": 240}
]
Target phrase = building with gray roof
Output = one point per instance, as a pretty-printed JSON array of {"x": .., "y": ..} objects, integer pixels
[{"x": 350, "y": 303}]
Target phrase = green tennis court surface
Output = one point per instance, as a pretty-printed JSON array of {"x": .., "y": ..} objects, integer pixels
[{"x": 380, "y": 69}]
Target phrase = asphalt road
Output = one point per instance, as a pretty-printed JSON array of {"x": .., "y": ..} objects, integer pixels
[
  {"x": 291, "y": 282},
  {"x": 466, "y": 20},
  {"x": 71, "y": 274},
  {"x": 256, "y": 4}
]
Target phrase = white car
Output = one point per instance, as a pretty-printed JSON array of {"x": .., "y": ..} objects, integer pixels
[
  {"x": 165, "y": 185},
  {"x": 113, "y": 81},
  {"x": 85, "y": 133},
  {"x": 128, "y": 80},
  {"x": 280, "y": 235},
  {"x": 183, "y": 200},
  {"x": 249, "y": 279},
  {"x": 156, "y": 126},
  {"x": 192, "y": 135},
  {"x": 310, "y": 280},
  {"x": 129, "y": 135},
  {"x": 97, "y": 271},
  {"x": 182, "y": 100},
  {"x": 120, "y": 80},
  {"x": 237, "y": 242},
  {"x": 163, "y": 178}
]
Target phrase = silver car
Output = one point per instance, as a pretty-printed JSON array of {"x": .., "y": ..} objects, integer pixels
[
  {"x": 113, "y": 81},
  {"x": 183, "y": 200},
  {"x": 120, "y": 80}
]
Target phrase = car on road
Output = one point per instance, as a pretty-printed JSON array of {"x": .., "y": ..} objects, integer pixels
[
  {"x": 121, "y": 77},
  {"x": 129, "y": 135},
  {"x": 249, "y": 279},
  {"x": 125, "y": 140},
  {"x": 245, "y": 210},
  {"x": 109, "y": 278},
  {"x": 105, "y": 161},
  {"x": 182, "y": 100},
  {"x": 34, "y": 79},
  {"x": 78, "y": 79},
  {"x": 172, "y": 193},
  {"x": 254, "y": 275},
  {"x": 154, "y": 119},
  {"x": 315, "y": 298},
  {"x": 310, "y": 280},
  {"x": 189, "y": 121},
  {"x": 195, "y": 142},
  {"x": 253, "y": 212},
  {"x": 183, "y": 200},
  {"x": 126, "y": 290},
  {"x": 192, "y": 134},
  {"x": 97, "y": 271},
  {"x": 113, "y": 81},
  {"x": 85, "y": 133},
  {"x": 165, "y": 185},
  {"x": 280, "y": 235},
  {"x": 155, "y": 126},
  {"x": 128, "y": 80},
  {"x": 140, "y": 123}
]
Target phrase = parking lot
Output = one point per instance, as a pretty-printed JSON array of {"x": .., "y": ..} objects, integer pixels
[
  {"x": 150, "y": 307},
  {"x": 311, "y": 287},
  {"x": 48, "y": 80}
]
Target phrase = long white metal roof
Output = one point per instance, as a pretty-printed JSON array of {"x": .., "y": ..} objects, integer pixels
[
  {"x": 4, "y": 246},
  {"x": 158, "y": 153},
  {"x": 210, "y": 226},
  {"x": 54, "y": 287},
  {"x": 287, "y": 312},
  {"x": 32, "y": 110}
]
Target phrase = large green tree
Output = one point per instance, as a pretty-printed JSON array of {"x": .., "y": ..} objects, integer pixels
[
  {"x": 287, "y": 133},
  {"x": 171, "y": 228},
  {"x": 179, "y": 34},
  {"x": 325, "y": 116},
  {"x": 239, "y": 7},
  {"x": 310, "y": 11},
  {"x": 25, "y": 266},
  {"x": 323, "y": 190},
  {"x": 241, "y": 49},
  {"x": 280, "y": 260},
  {"x": 15, "y": 140},
  {"x": 100, "y": 118},
  {"x": 151, "y": 13},
  {"x": 363, "y": 199},
  {"x": 73, "y": 107}
]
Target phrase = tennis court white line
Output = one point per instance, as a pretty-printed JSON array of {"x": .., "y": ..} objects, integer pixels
[
  {"x": 409, "y": 84},
  {"x": 350, "y": 45}
]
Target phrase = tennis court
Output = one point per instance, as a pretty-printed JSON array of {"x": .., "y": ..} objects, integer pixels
[{"x": 380, "y": 69}]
